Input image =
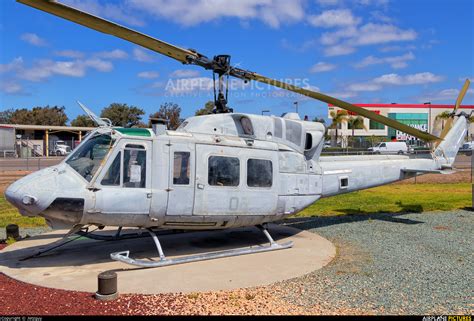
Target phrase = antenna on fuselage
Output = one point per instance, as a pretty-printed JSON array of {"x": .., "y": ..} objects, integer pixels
[{"x": 101, "y": 122}]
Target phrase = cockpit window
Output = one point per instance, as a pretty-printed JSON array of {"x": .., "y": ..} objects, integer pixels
[{"x": 87, "y": 158}]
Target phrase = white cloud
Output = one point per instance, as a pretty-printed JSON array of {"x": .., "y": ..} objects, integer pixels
[
  {"x": 369, "y": 86},
  {"x": 98, "y": 64},
  {"x": 148, "y": 74},
  {"x": 193, "y": 12},
  {"x": 33, "y": 39},
  {"x": 448, "y": 95},
  {"x": 342, "y": 94},
  {"x": 397, "y": 62},
  {"x": 322, "y": 67},
  {"x": 414, "y": 79},
  {"x": 328, "y": 2},
  {"x": 113, "y": 54},
  {"x": 69, "y": 54},
  {"x": 344, "y": 40},
  {"x": 44, "y": 69},
  {"x": 15, "y": 64},
  {"x": 116, "y": 12},
  {"x": 184, "y": 73},
  {"x": 141, "y": 55},
  {"x": 11, "y": 87},
  {"x": 395, "y": 80},
  {"x": 372, "y": 33},
  {"x": 334, "y": 18},
  {"x": 338, "y": 50}
]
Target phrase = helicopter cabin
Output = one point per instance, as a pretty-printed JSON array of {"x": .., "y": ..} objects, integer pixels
[{"x": 215, "y": 171}]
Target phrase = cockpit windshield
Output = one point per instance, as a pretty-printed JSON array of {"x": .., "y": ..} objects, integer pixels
[{"x": 87, "y": 158}]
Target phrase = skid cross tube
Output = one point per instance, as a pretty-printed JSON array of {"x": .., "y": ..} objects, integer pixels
[{"x": 125, "y": 255}]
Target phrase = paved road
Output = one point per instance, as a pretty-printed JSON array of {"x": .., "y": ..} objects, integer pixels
[{"x": 28, "y": 164}]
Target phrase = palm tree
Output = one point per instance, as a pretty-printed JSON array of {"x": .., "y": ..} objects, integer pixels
[
  {"x": 337, "y": 118},
  {"x": 443, "y": 116},
  {"x": 356, "y": 123}
]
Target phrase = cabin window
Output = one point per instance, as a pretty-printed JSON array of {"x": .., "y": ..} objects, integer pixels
[
  {"x": 112, "y": 176},
  {"x": 293, "y": 132},
  {"x": 309, "y": 141},
  {"x": 259, "y": 173},
  {"x": 181, "y": 168},
  {"x": 246, "y": 126},
  {"x": 134, "y": 166},
  {"x": 343, "y": 182},
  {"x": 223, "y": 171},
  {"x": 278, "y": 127}
]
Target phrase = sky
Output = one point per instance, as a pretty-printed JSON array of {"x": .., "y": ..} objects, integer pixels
[{"x": 361, "y": 51}]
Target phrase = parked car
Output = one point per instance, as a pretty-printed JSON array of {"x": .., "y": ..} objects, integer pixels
[
  {"x": 468, "y": 147},
  {"x": 390, "y": 148}
]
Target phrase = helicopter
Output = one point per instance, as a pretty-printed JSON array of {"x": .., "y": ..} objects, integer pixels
[{"x": 217, "y": 171}]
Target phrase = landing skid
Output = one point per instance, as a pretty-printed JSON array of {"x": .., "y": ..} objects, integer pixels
[{"x": 125, "y": 255}]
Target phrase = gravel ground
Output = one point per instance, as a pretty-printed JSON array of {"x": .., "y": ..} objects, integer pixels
[
  {"x": 391, "y": 264},
  {"x": 386, "y": 264}
]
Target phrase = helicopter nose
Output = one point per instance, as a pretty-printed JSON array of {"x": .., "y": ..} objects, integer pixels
[
  {"x": 19, "y": 199},
  {"x": 31, "y": 193}
]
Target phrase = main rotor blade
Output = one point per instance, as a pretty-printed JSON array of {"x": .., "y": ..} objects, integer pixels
[
  {"x": 108, "y": 27},
  {"x": 450, "y": 121},
  {"x": 188, "y": 56},
  {"x": 347, "y": 106},
  {"x": 462, "y": 93}
]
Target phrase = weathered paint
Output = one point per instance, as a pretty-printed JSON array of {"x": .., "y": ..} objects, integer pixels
[{"x": 298, "y": 180}]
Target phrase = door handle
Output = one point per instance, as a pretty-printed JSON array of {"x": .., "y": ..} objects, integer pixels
[{"x": 200, "y": 186}]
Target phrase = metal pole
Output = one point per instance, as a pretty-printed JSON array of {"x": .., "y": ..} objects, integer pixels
[
  {"x": 47, "y": 142},
  {"x": 27, "y": 157}
]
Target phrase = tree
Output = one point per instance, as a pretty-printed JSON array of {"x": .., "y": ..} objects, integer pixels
[
  {"x": 6, "y": 116},
  {"x": 337, "y": 119},
  {"x": 53, "y": 116},
  {"x": 356, "y": 123},
  {"x": 319, "y": 120},
  {"x": 83, "y": 121},
  {"x": 445, "y": 115},
  {"x": 122, "y": 115},
  {"x": 206, "y": 110},
  {"x": 171, "y": 113}
]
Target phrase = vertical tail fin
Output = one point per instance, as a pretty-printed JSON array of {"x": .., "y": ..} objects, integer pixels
[{"x": 453, "y": 140}]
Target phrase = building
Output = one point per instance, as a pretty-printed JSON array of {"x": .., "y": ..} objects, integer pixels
[
  {"x": 421, "y": 116},
  {"x": 37, "y": 140}
]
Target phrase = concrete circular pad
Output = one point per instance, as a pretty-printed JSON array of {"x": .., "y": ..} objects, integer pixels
[{"x": 76, "y": 265}]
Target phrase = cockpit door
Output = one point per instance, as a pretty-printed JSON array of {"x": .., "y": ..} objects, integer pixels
[{"x": 124, "y": 184}]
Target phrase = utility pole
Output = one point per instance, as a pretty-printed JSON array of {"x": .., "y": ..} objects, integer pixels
[{"x": 296, "y": 106}]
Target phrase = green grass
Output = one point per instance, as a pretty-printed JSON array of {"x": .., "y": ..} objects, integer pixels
[
  {"x": 10, "y": 215},
  {"x": 397, "y": 198}
]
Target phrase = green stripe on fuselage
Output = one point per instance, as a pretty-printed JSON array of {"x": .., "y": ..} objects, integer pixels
[{"x": 142, "y": 132}]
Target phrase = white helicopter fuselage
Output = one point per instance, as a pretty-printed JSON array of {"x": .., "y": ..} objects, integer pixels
[{"x": 214, "y": 172}]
